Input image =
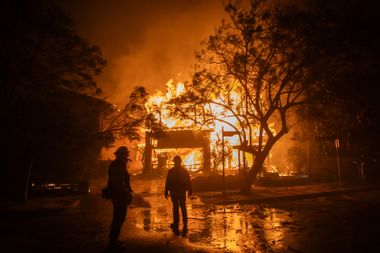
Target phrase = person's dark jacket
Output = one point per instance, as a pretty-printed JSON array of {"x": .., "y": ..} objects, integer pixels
[
  {"x": 178, "y": 181},
  {"x": 119, "y": 180}
]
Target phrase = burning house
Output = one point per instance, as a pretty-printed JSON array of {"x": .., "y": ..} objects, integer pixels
[
  {"x": 215, "y": 147},
  {"x": 200, "y": 147},
  {"x": 194, "y": 146}
]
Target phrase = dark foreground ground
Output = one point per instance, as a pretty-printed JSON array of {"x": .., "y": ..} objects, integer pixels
[{"x": 344, "y": 221}]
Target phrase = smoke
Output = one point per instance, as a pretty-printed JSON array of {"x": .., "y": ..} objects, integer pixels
[{"x": 146, "y": 42}]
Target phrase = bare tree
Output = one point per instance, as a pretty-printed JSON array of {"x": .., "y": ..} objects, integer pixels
[
  {"x": 251, "y": 75},
  {"x": 117, "y": 124}
]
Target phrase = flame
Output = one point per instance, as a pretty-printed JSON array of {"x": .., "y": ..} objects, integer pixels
[
  {"x": 159, "y": 105},
  {"x": 192, "y": 160}
]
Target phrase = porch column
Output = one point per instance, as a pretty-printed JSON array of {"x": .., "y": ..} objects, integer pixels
[
  {"x": 147, "y": 154},
  {"x": 206, "y": 156}
]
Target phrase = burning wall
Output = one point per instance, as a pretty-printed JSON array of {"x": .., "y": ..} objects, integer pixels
[
  {"x": 194, "y": 148},
  {"x": 182, "y": 134}
]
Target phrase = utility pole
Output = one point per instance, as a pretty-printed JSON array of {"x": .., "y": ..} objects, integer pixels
[
  {"x": 337, "y": 146},
  {"x": 225, "y": 133},
  {"x": 224, "y": 179}
]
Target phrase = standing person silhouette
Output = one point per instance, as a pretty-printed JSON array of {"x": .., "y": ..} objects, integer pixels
[
  {"x": 121, "y": 193},
  {"x": 177, "y": 183}
]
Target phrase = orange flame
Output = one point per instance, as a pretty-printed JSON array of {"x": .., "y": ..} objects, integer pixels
[{"x": 158, "y": 105}]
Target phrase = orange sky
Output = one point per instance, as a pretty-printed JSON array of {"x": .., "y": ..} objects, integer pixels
[{"x": 146, "y": 42}]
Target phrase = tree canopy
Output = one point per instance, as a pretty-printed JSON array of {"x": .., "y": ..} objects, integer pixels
[
  {"x": 346, "y": 37},
  {"x": 40, "y": 49},
  {"x": 253, "y": 75},
  {"x": 272, "y": 65},
  {"x": 50, "y": 104}
]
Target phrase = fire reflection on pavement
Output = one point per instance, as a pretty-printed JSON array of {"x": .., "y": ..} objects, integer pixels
[
  {"x": 327, "y": 224},
  {"x": 233, "y": 228}
]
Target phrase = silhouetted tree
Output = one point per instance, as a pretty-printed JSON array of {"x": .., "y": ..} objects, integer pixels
[
  {"x": 40, "y": 49},
  {"x": 253, "y": 75},
  {"x": 126, "y": 122},
  {"x": 346, "y": 37},
  {"x": 54, "y": 119}
]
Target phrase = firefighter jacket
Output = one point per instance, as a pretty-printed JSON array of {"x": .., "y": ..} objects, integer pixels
[
  {"x": 119, "y": 180},
  {"x": 178, "y": 181}
]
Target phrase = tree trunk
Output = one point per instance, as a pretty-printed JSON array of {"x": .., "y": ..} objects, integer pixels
[
  {"x": 250, "y": 177},
  {"x": 29, "y": 173}
]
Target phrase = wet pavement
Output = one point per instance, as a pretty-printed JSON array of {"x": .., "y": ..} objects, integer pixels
[
  {"x": 344, "y": 222},
  {"x": 326, "y": 223}
]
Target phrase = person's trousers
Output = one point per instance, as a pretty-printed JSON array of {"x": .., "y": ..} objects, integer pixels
[
  {"x": 179, "y": 202},
  {"x": 119, "y": 213}
]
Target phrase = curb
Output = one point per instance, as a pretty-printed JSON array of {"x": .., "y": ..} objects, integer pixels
[{"x": 257, "y": 200}]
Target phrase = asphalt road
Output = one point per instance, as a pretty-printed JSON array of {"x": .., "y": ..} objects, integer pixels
[{"x": 340, "y": 223}]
